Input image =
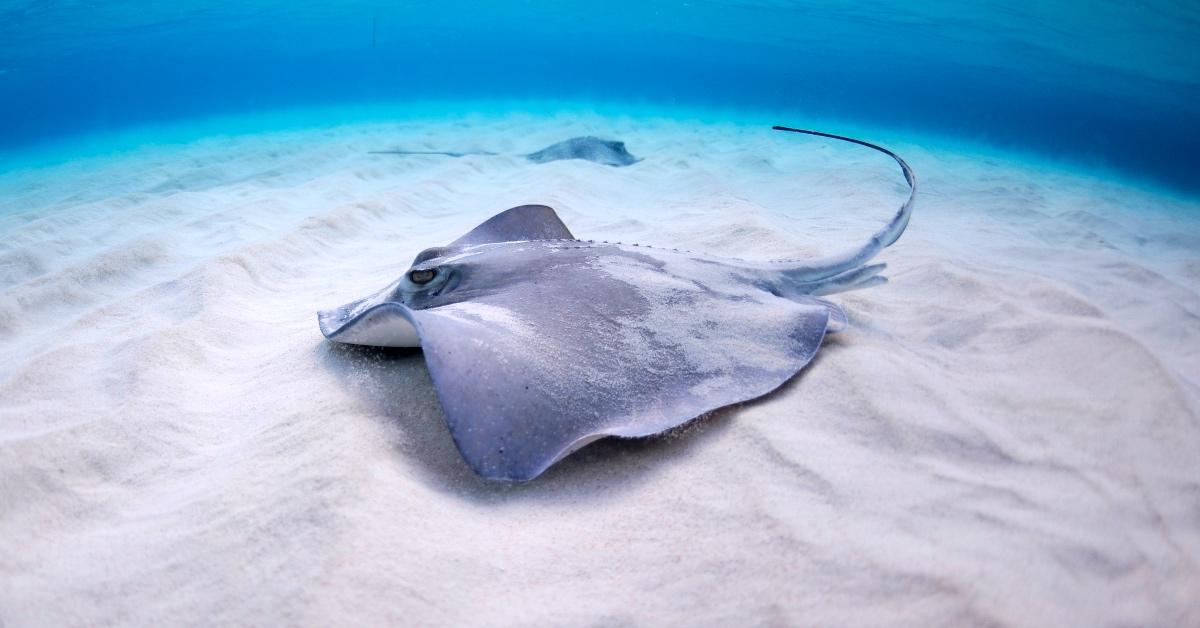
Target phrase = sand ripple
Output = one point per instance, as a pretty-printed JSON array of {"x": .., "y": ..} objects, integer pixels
[{"x": 1007, "y": 434}]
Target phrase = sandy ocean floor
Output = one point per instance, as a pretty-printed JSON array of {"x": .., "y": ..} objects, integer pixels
[{"x": 1007, "y": 434}]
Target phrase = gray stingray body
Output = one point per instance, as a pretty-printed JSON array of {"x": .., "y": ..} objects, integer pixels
[
  {"x": 594, "y": 149},
  {"x": 607, "y": 152},
  {"x": 539, "y": 343}
]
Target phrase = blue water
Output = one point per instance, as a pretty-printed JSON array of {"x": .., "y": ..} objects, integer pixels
[{"x": 1099, "y": 83}]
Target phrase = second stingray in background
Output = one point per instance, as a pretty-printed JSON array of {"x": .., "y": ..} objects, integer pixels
[
  {"x": 539, "y": 343},
  {"x": 589, "y": 148}
]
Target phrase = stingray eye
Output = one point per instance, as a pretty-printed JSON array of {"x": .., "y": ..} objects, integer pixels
[{"x": 422, "y": 276}]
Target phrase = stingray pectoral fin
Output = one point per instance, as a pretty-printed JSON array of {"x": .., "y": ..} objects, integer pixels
[
  {"x": 522, "y": 388},
  {"x": 383, "y": 324}
]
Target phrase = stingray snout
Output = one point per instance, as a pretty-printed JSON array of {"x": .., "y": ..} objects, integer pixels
[{"x": 386, "y": 324}]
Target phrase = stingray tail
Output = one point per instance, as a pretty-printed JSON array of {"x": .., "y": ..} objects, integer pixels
[
  {"x": 857, "y": 279},
  {"x": 836, "y": 273},
  {"x": 428, "y": 152}
]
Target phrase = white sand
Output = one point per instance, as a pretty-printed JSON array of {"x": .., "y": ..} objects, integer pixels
[{"x": 1007, "y": 434}]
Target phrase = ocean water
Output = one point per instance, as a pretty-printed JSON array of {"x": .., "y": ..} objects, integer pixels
[
  {"x": 1005, "y": 433},
  {"x": 1108, "y": 83}
]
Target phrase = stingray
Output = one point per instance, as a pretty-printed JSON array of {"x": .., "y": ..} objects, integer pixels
[
  {"x": 601, "y": 151},
  {"x": 539, "y": 343}
]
